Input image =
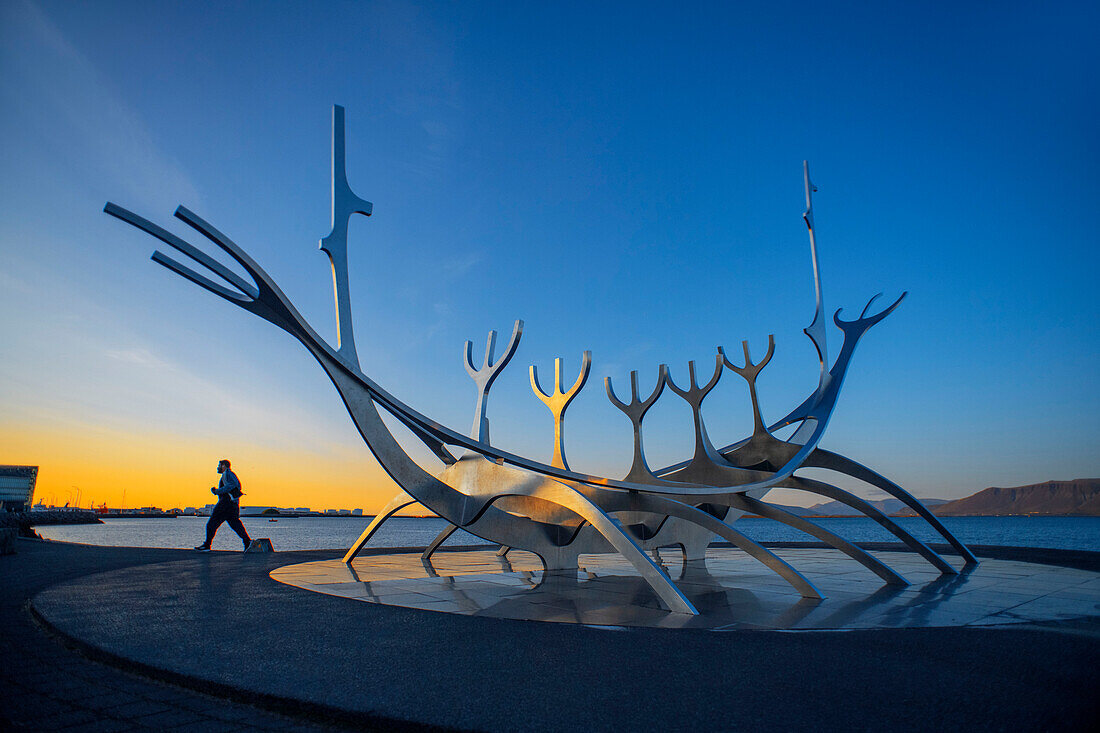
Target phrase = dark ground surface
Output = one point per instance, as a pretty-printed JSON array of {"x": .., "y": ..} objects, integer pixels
[
  {"x": 50, "y": 685},
  {"x": 209, "y": 641}
]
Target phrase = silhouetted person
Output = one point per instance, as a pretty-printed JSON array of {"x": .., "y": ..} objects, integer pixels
[{"x": 228, "y": 507}]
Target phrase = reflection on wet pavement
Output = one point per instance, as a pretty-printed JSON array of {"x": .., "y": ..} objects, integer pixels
[{"x": 730, "y": 590}]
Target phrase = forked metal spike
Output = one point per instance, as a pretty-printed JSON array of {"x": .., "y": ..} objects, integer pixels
[
  {"x": 750, "y": 372},
  {"x": 558, "y": 401},
  {"x": 635, "y": 410},
  {"x": 486, "y": 375}
]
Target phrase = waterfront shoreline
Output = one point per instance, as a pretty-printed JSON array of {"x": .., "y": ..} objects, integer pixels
[
  {"x": 1069, "y": 558},
  {"x": 308, "y": 533},
  {"x": 48, "y": 518}
]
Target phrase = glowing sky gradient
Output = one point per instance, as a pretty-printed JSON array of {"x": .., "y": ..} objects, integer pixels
[{"x": 625, "y": 178}]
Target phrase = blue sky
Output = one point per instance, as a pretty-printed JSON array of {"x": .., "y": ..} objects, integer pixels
[{"x": 624, "y": 177}]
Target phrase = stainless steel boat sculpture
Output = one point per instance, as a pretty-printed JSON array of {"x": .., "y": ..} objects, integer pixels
[{"x": 552, "y": 510}]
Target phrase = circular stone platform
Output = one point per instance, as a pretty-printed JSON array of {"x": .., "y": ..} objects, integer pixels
[{"x": 731, "y": 590}]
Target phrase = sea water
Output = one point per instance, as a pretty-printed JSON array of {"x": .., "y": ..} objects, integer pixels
[{"x": 325, "y": 533}]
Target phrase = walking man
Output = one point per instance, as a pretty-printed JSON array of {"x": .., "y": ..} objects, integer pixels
[{"x": 228, "y": 507}]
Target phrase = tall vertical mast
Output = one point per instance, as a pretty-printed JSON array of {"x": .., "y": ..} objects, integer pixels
[
  {"x": 816, "y": 330},
  {"x": 335, "y": 245}
]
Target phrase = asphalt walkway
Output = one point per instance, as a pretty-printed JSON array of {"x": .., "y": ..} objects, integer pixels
[
  {"x": 49, "y": 684},
  {"x": 211, "y": 642}
]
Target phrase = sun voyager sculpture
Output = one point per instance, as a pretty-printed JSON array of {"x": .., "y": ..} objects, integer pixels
[{"x": 552, "y": 510}]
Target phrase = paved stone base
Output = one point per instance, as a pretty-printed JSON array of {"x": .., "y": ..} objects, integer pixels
[{"x": 731, "y": 590}]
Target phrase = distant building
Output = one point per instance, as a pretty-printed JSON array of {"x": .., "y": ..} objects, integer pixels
[
  {"x": 331, "y": 513},
  {"x": 345, "y": 512},
  {"x": 356, "y": 512},
  {"x": 17, "y": 487}
]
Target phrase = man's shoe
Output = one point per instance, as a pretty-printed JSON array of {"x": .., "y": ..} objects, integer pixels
[{"x": 203, "y": 548}]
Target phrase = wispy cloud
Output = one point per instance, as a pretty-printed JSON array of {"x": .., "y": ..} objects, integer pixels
[
  {"x": 439, "y": 135},
  {"x": 283, "y": 426},
  {"x": 136, "y": 355},
  {"x": 56, "y": 90},
  {"x": 459, "y": 265}
]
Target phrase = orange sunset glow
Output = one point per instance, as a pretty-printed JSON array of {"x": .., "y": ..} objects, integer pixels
[{"x": 167, "y": 471}]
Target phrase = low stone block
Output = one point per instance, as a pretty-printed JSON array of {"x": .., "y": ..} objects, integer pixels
[
  {"x": 263, "y": 544},
  {"x": 7, "y": 540}
]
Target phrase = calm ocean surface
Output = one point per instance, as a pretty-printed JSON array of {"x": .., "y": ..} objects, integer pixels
[{"x": 321, "y": 533}]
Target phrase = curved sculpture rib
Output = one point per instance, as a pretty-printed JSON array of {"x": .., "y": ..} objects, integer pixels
[
  {"x": 439, "y": 540},
  {"x": 396, "y": 504},
  {"x": 619, "y": 501},
  {"x": 821, "y": 458},
  {"x": 748, "y": 504},
  {"x": 568, "y": 497},
  {"x": 838, "y": 494}
]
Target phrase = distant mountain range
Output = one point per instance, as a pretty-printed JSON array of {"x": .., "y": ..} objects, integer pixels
[
  {"x": 1080, "y": 497},
  {"x": 836, "y": 509},
  {"x": 886, "y": 506}
]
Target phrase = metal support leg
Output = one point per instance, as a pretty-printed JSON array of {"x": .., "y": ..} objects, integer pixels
[
  {"x": 439, "y": 540},
  {"x": 662, "y": 505},
  {"x": 835, "y": 462},
  {"x": 567, "y": 497},
  {"x": 834, "y": 492},
  {"x": 397, "y": 503},
  {"x": 748, "y": 504}
]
